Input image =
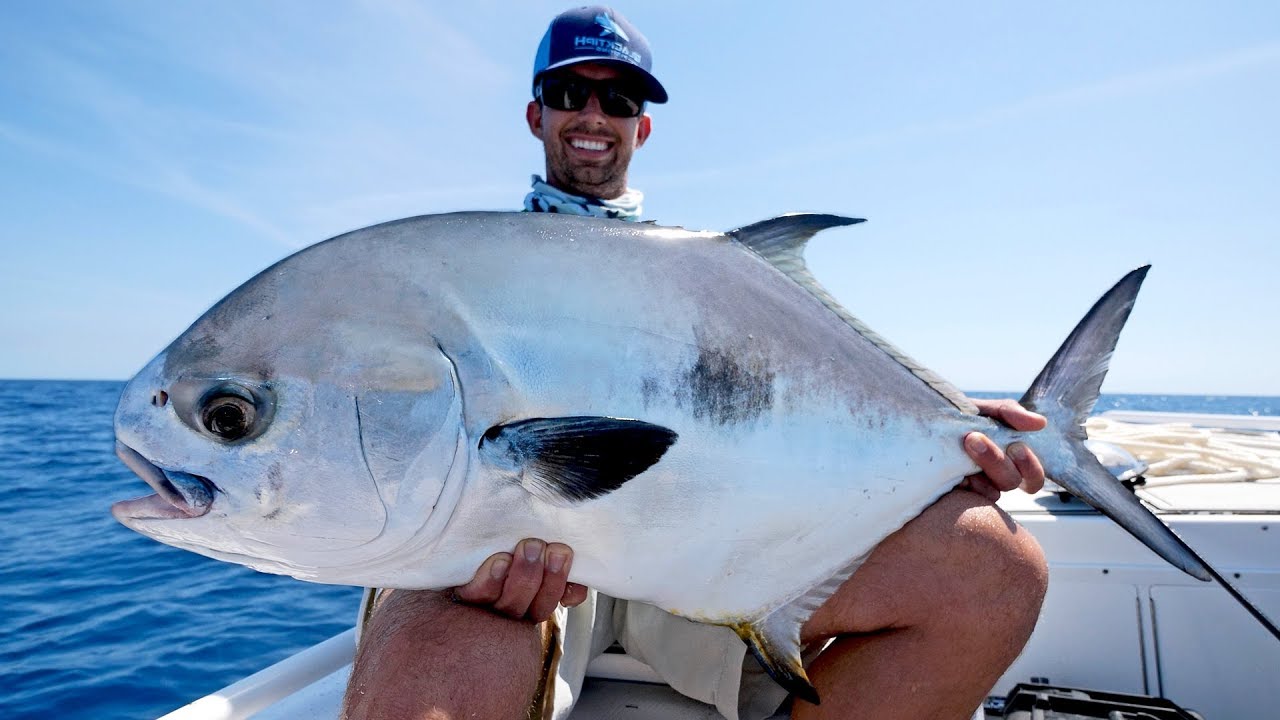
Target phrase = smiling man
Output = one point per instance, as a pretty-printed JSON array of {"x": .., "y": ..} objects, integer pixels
[
  {"x": 588, "y": 153},
  {"x": 923, "y": 628},
  {"x": 591, "y": 81}
]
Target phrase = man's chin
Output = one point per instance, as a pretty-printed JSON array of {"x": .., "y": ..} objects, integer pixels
[{"x": 596, "y": 182}]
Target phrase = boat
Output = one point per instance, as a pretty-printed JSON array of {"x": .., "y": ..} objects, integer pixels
[{"x": 1116, "y": 619}]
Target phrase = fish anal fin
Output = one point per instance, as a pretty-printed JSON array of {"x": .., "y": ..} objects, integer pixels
[
  {"x": 574, "y": 459},
  {"x": 775, "y": 638},
  {"x": 780, "y": 656}
]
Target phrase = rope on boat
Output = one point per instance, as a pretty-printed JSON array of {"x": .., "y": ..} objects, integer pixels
[{"x": 1177, "y": 453}]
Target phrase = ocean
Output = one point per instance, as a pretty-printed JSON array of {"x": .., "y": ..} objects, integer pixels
[{"x": 100, "y": 622}]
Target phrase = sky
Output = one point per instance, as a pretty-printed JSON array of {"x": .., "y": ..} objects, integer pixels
[{"x": 1013, "y": 161}]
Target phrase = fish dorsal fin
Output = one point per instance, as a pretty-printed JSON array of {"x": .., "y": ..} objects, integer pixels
[
  {"x": 574, "y": 459},
  {"x": 781, "y": 240}
]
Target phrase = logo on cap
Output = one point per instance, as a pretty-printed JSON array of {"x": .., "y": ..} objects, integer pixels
[
  {"x": 617, "y": 46},
  {"x": 608, "y": 26}
]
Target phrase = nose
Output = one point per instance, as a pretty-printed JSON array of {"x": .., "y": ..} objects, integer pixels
[{"x": 592, "y": 107}]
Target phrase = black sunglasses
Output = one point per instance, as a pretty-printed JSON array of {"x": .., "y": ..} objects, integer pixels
[{"x": 617, "y": 98}]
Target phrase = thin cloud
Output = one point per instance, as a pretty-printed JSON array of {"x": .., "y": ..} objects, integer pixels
[
  {"x": 140, "y": 135},
  {"x": 1138, "y": 83},
  {"x": 336, "y": 111}
]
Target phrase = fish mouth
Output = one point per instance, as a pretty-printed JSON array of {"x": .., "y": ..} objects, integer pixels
[{"x": 178, "y": 495}]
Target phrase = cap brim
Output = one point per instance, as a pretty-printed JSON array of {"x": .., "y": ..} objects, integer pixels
[{"x": 654, "y": 90}]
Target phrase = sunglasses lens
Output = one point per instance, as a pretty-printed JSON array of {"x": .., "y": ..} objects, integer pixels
[
  {"x": 572, "y": 93},
  {"x": 564, "y": 94},
  {"x": 618, "y": 103}
]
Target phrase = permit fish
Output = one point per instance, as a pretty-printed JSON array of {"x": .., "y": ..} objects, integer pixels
[{"x": 390, "y": 407}]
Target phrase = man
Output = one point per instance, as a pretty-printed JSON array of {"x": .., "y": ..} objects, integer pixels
[{"x": 923, "y": 628}]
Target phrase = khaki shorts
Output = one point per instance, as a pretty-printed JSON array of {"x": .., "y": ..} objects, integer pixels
[{"x": 709, "y": 663}]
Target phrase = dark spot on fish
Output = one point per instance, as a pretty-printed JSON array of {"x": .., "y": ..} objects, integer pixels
[
  {"x": 649, "y": 389},
  {"x": 725, "y": 389},
  {"x": 270, "y": 492},
  {"x": 160, "y": 399}
]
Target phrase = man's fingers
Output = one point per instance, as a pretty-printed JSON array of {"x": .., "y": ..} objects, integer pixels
[
  {"x": 555, "y": 579},
  {"x": 1012, "y": 414},
  {"x": 523, "y": 579},
  {"x": 1000, "y": 471},
  {"x": 527, "y": 584},
  {"x": 1029, "y": 467},
  {"x": 486, "y": 586},
  {"x": 574, "y": 595},
  {"x": 979, "y": 484}
]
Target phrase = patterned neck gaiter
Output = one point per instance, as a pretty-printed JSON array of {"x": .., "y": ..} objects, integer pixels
[{"x": 548, "y": 199}]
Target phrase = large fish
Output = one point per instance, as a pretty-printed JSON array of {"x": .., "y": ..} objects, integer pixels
[{"x": 706, "y": 427}]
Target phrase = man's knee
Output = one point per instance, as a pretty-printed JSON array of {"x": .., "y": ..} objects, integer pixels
[{"x": 1001, "y": 574}]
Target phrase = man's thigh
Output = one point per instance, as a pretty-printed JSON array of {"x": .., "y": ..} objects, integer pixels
[{"x": 958, "y": 556}]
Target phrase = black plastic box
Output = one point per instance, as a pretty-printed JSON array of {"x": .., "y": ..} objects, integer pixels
[{"x": 1027, "y": 701}]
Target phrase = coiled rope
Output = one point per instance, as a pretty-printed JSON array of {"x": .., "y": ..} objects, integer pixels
[{"x": 1178, "y": 453}]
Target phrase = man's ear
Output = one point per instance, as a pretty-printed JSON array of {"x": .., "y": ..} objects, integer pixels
[
  {"x": 533, "y": 116},
  {"x": 643, "y": 128}
]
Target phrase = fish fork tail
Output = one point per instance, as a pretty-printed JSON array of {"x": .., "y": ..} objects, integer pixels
[{"x": 1065, "y": 393}]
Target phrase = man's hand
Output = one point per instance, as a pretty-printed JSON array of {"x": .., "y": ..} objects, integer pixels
[
  {"x": 1001, "y": 470},
  {"x": 526, "y": 584}
]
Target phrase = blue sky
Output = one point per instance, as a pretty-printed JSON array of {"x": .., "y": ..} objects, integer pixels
[{"x": 1013, "y": 160}]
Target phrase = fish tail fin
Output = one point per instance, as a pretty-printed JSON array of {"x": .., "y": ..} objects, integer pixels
[{"x": 1065, "y": 393}]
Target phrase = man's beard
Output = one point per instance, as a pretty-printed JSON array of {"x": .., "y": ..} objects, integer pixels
[{"x": 605, "y": 181}]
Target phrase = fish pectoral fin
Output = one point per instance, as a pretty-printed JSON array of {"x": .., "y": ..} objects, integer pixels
[{"x": 573, "y": 459}]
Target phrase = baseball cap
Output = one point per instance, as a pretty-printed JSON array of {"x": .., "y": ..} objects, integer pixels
[{"x": 597, "y": 34}]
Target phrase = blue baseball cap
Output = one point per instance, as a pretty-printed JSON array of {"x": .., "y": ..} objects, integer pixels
[{"x": 597, "y": 34}]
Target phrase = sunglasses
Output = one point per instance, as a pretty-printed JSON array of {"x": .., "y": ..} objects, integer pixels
[{"x": 570, "y": 93}]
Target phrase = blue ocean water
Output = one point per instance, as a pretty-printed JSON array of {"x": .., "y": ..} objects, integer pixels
[{"x": 100, "y": 622}]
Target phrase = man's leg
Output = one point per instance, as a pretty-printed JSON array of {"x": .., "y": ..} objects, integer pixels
[
  {"x": 425, "y": 657},
  {"x": 932, "y": 619}
]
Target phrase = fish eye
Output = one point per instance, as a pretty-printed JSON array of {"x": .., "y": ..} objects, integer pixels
[{"x": 228, "y": 412}]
